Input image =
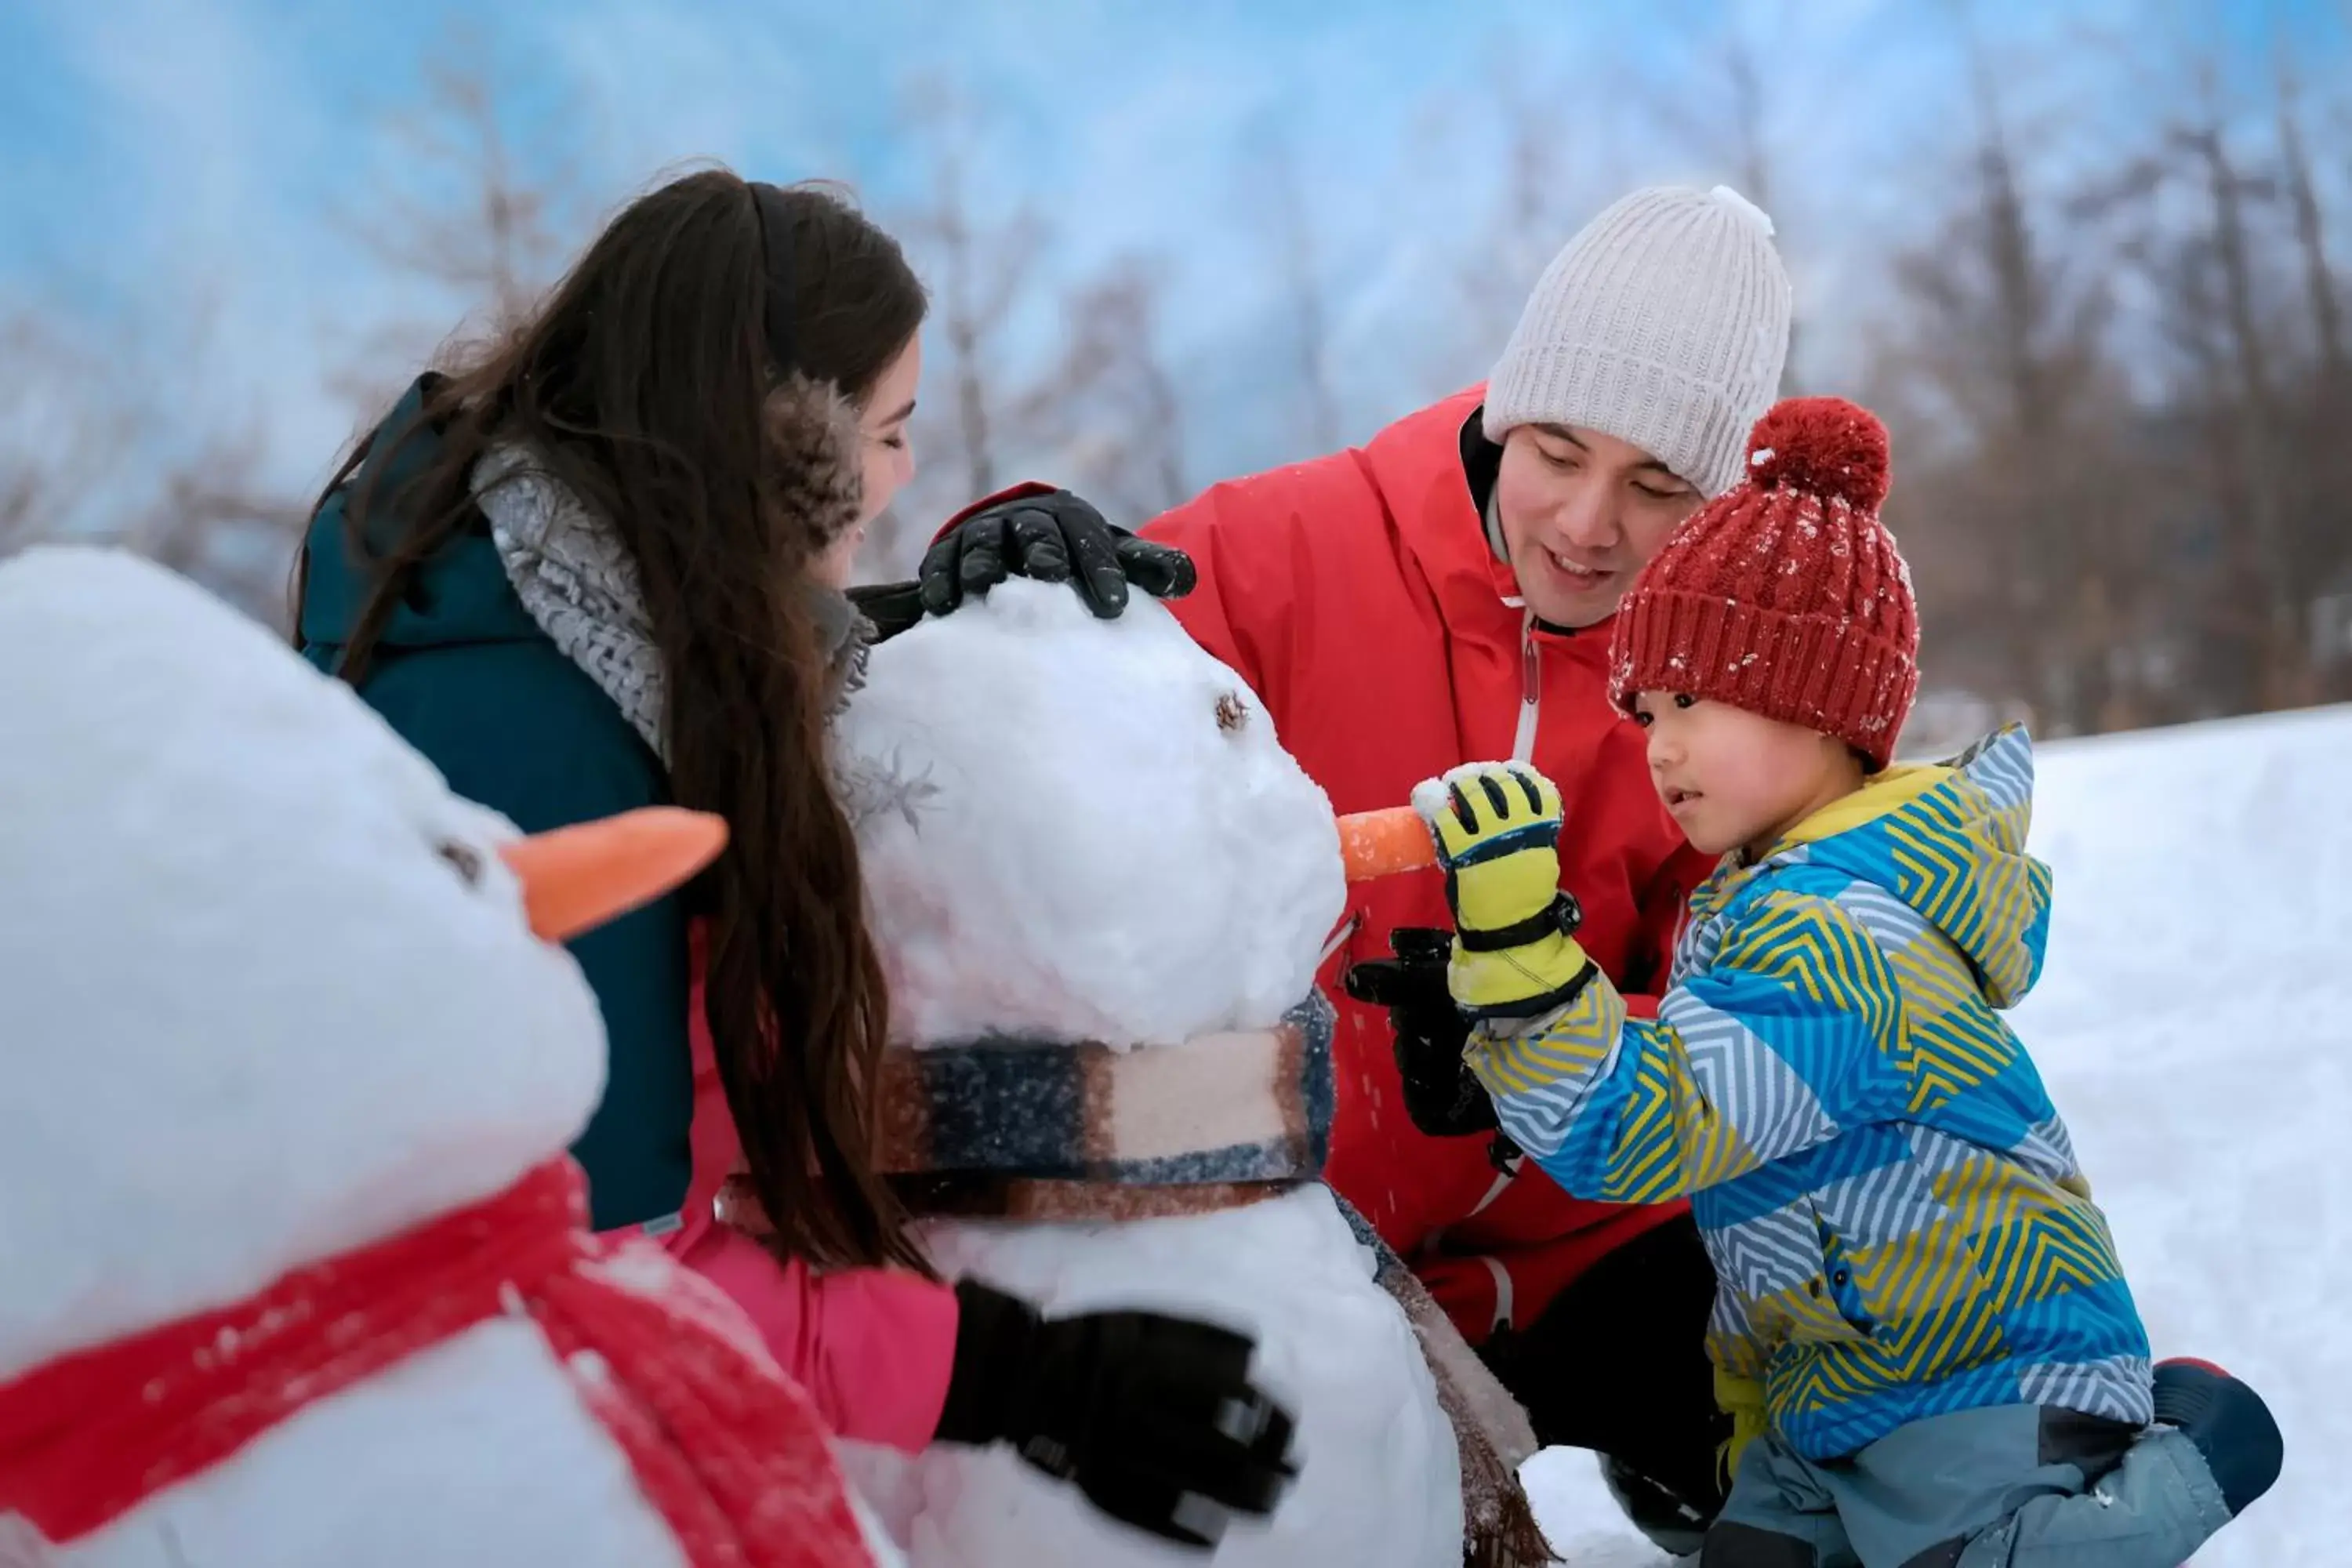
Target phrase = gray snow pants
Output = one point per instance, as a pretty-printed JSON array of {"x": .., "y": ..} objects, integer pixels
[{"x": 2015, "y": 1486}]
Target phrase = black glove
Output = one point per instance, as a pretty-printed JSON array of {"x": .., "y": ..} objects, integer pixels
[
  {"x": 892, "y": 607},
  {"x": 1441, "y": 1095},
  {"x": 1153, "y": 1417},
  {"x": 1055, "y": 537}
]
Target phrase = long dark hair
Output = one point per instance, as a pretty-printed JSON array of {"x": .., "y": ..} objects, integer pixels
[{"x": 647, "y": 385}]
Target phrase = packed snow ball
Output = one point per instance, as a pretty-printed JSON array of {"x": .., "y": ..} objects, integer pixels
[
  {"x": 1824, "y": 447},
  {"x": 1081, "y": 829}
]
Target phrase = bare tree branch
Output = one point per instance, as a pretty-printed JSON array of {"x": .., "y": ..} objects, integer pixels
[
  {"x": 2311, "y": 235},
  {"x": 88, "y": 456},
  {"x": 460, "y": 209},
  {"x": 1045, "y": 374},
  {"x": 1124, "y": 423},
  {"x": 2020, "y": 522}
]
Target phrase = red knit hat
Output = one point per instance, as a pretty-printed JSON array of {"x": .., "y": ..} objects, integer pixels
[{"x": 1785, "y": 595}]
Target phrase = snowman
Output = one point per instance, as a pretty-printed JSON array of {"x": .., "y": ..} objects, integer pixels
[
  {"x": 290, "y": 1271},
  {"x": 1100, "y": 889}
]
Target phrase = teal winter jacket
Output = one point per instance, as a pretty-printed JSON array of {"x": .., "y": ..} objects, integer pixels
[{"x": 467, "y": 679}]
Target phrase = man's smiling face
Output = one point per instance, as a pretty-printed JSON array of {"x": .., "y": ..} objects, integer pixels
[{"x": 1582, "y": 513}]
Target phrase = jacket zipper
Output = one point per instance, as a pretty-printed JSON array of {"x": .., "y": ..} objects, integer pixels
[
  {"x": 1347, "y": 928},
  {"x": 1523, "y": 743}
]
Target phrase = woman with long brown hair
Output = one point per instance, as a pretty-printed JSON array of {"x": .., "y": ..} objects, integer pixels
[{"x": 598, "y": 565}]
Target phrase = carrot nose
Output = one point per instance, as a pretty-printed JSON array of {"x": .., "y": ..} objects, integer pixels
[
  {"x": 1381, "y": 843},
  {"x": 575, "y": 879}
]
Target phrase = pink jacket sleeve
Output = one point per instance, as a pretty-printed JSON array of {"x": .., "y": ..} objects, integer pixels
[{"x": 873, "y": 1347}]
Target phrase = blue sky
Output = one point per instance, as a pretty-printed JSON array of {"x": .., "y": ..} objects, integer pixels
[{"x": 169, "y": 169}]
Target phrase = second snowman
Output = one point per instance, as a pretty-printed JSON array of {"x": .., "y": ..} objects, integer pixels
[{"x": 1101, "y": 889}]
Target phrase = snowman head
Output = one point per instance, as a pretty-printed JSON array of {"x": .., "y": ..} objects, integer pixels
[
  {"x": 268, "y": 989},
  {"x": 1081, "y": 829}
]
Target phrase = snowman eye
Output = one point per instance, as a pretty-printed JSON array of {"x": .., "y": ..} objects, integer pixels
[
  {"x": 467, "y": 860},
  {"x": 1232, "y": 712}
]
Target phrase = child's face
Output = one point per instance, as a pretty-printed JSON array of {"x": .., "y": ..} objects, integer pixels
[{"x": 1736, "y": 780}]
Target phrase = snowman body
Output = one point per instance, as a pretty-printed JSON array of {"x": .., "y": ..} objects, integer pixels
[
  {"x": 476, "y": 1451},
  {"x": 269, "y": 997},
  {"x": 1087, "y": 831}
]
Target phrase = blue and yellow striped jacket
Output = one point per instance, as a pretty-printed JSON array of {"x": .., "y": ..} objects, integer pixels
[{"x": 1898, "y": 1223}]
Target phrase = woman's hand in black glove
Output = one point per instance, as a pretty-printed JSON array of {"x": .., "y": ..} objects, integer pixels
[
  {"x": 1441, "y": 1095},
  {"x": 889, "y": 607},
  {"x": 1154, "y": 1419},
  {"x": 1053, "y": 536}
]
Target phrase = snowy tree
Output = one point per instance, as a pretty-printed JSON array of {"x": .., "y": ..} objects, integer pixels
[
  {"x": 2227, "y": 234},
  {"x": 1120, "y": 419},
  {"x": 1031, "y": 369},
  {"x": 1998, "y": 385},
  {"x": 95, "y": 447},
  {"x": 981, "y": 270}
]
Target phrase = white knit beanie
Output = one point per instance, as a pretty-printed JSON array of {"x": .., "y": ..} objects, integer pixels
[{"x": 1663, "y": 322}]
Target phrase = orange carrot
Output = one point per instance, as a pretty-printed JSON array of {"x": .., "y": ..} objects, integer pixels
[
  {"x": 575, "y": 879},
  {"x": 1382, "y": 843}
]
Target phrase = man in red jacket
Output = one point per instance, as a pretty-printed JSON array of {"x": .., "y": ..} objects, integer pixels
[{"x": 1438, "y": 595}]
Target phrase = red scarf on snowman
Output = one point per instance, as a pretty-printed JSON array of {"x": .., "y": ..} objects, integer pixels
[{"x": 733, "y": 1456}]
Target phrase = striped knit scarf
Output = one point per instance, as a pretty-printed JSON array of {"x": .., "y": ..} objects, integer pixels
[{"x": 1033, "y": 1129}]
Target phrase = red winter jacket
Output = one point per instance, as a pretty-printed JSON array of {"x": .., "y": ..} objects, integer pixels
[{"x": 1358, "y": 595}]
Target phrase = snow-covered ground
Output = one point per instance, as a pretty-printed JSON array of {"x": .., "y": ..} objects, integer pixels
[{"x": 2194, "y": 1024}]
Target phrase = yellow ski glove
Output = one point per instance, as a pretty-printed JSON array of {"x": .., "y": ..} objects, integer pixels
[{"x": 1497, "y": 831}]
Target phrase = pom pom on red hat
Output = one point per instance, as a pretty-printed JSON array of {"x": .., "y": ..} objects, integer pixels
[{"x": 1822, "y": 446}]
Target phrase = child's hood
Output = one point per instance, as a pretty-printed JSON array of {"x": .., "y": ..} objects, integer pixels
[{"x": 1949, "y": 841}]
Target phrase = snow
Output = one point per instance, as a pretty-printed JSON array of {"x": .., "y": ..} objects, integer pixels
[
  {"x": 1379, "y": 1485},
  {"x": 1025, "y": 887},
  {"x": 228, "y": 1058},
  {"x": 2194, "y": 1026}
]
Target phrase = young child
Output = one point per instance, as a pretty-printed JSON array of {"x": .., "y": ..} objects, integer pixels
[{"x": 1910, "y": 1267}]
